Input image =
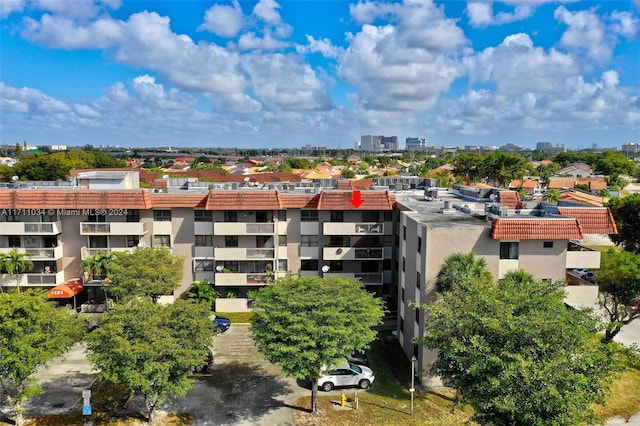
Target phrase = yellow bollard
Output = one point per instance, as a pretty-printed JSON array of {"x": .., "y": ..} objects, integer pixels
[{"x": 343, "y": 400}]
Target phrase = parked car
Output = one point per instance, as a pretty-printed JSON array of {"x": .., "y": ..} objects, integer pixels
[
  {"x": 346, "y": 374},
  {"x": 206, "y": 363},
  {"x": 584, "y": 274},
  {"x": 221, "y": 324}
]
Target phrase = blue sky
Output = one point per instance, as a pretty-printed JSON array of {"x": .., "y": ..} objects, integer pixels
[{"x": 269, "y": 74}]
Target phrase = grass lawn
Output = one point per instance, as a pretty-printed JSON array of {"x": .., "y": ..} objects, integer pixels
[{"x": 624, "y": 400}]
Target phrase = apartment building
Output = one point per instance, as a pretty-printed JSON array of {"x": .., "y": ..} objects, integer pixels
[{"x": 242, "y": 236}]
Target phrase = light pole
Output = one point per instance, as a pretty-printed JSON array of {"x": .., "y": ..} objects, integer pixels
[{"x": 413, "y": 375}]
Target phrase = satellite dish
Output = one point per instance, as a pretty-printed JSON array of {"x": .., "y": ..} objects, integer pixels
[
  {"x": 142, "y": 244},
  {"x": 219, "y": 268},
  {"x": 15, "y": 178},
  {"x": 325, "y": 268}
]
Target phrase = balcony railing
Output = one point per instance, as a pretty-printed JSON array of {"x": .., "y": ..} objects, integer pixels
[
  {"x": 353, "y": 228},
  {"x": 30, "y": 228},
  {"x": 38, "y": 253},
  {"x": 243, "y": 228},
  {"x": 31, "y": 279},
  {"x": 369, "y": 278},
  {"x": 233, "y": 278},
  {"x": 87, "y": 252},
  {"x": 352, "y": 253},
  {"x": 579, "y": 256},
  {"x": 112, "y": 228},
  {"x": 235, "y": 253}
]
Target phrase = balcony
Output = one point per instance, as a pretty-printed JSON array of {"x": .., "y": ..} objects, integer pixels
[
  {"x": 234, "y": 278},
  {"x": 32, "y": 280},
  {"x": 352, "y": 253},
  {"x": 352, "y": 228},
  {"x": 235, "y": 253},
  {"x": 112, "y": 228},
  {"x": 38, "y": 253},
  {"x": 30, "y": 228},
  {"x": 243, "y": 228},
  {"x": 87, "y": 252},
  {"x": 582, "y": 257},
  {"x": 367, "y": 278}
]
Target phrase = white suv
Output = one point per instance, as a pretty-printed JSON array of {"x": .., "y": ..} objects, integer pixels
[{"x": 346, "y": 374}]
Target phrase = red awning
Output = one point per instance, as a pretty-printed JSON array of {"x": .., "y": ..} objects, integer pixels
[{"x": 66, "y": 290}]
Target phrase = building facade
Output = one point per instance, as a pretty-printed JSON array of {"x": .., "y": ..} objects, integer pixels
[{"x": 242, "y": 236}]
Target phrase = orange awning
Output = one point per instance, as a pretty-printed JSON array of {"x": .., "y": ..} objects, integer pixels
[{"x": 66, "y": 290}]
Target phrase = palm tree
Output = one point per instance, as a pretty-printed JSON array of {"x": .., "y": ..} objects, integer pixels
[
  {"x": 552, "y": 196},
  {"x": 461, "y": 268},
  {"x": 98, "y": 264},
  {"x": 16, "y": 262},
  {"x": 203, "y": 292}
]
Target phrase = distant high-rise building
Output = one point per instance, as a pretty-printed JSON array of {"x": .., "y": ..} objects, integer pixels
[
  {"x": 370, "y": 143},
  {"x": 390, "y": 143},
  {"x": 631, "y": 149},
  {"x": 416, "y": 144},
  {"x": 548, "y": 147},
  {"x": 510, "y": 148}
]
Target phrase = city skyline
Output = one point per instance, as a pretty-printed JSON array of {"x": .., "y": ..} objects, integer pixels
[{"x": 287, "y": 74}]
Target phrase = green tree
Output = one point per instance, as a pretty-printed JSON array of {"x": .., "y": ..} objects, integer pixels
[
  {"x": 618, "y": 280},
  {"x": 348, "y": 173},
  {"x": 461, "y": 268},
  {"x": 552, "y": 196},
  {"x": 16, "y": 262},
  {"x": 33, "y": 331},
  {"x": 545, "y": 171},
  {"x": 151, "y": 349},
  {"x": 626, "y": 213},
  {"x": 305, "y": 323},
  {"x": 97, "y": 266},
  {"x": 146, "y": 271},
  {"x": 469, "y": 166},
  {"x": 203, "y": 292},
  {"x": 503, "y": 168},
  {"x": 517, "y": 354},
  {"x": 41, "y": 166},
  {"x": 612, "y": 163}
]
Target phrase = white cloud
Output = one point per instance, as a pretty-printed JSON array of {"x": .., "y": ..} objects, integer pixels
[
  {"x": 223, "y": 20},
  {"x": 284, "y": 82},
  {"x": 76, "y": 8},
  {"x": 251, "y": 41},
  {"x": 9, "y": 6},
  {"x": 65, "y": 33},
  {"x": 323, "y": 46},
  {"x": 267, "y": 12},
  {"x": 625, "y": 24},
  {"x": 27, "y": 100},
  {"x": 585, "y": 32},
  {"x": 366, "y": 12},
  {"x": 480, "y": 12}
]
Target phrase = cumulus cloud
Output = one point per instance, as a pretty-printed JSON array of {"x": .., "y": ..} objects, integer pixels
[
  {"x": 323, "y": 46},
  {"x": 480, "y": 12},
  {"x": 585, "y": 32},
  {"x": 9, "y": 6},
  {"x": 27, "y": 100},
  {"x": 223, "y": 20},
  {"x": 405, "y": 66}
]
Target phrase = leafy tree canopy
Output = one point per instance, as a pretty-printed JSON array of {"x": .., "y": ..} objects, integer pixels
[
  {"x": 517, "y": 354},
  {"x": 612, "y": 163},
  {"x": 44, "y": 167},
  {"x": 146, "y": 271},
  {"x": 203, "y": 292},
  {"x": 462, "y": 269},
  {"x": 33, "y": 331},
  {"x": 305, "y": 323},
  {"x": 626, "y": 212},
  {"x": 151, "y": 349},
  {"x": 619, "y": 283}
]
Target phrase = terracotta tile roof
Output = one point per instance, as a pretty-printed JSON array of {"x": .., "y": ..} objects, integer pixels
[
  {"x": 582, "y": 197},
  {"x": 243, "y": 200},
  {"x": 535, "y": 229},
  {"x": 167, "y": 200},
  {"x": 592, "y": 220},
  {"x": 561, "y": 182},
  {"x": 76, "y": 199},
  {"x": 339, "y": 200},
  {"x": 299, "y": 201},
  {"x": 509, "y": 198}
]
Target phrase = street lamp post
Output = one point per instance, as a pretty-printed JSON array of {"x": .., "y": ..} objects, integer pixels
[{"x": 413, "y": 375}]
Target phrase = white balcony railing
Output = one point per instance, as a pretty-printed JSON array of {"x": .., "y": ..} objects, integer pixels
[
  {"x": 32, "y": 279},
  {"x": 87, "y": 252},
  {"x": 370, "y": 278},
  {"x": 38, "y": 253},
  {"x": 352, "y": 253},
  {"x": 235, "y": 253},
  {"x": 587, "y": 259},
  {"x": 112, "y": 228},
  {"x": 30, "y": 228},
  {"x": 243, "y": 228},
  {"x": 353, "y": 228},
  {"x": 234, "y": 278}
]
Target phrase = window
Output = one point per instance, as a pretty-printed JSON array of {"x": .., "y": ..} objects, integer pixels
[
  {"x": 368, "y": 266},
  {"x": 417, "y": 312},
  {"x": 509, "y": 250},
  {"x": 337, "y": 216},
  {"x": 231, "y": 241},
  {"x": 404, "y": 263},
  {"x": 203, "y": 216},
  {"x": 96, "y": 218},
  {"x": 14, "y": 240},
  {"x": 335, "y": 266},
  {"x": 162, "y": 240},
  {"x": 283, "y": 264},
  {"x": 402, "y": 295},
  {"x": 261, "y": 217},
  {"x": 419, "y": 244},
  {"x": 309, "y": 215},
  {"x": 309, "y": 265},
  {"x": 336, "y": 241},
  {"x": 264, "y": 241},
  {"x": 230, "y": 216},
  {"x": 418, "y": 279},
  {"x": 388, "y": 216},
  {"x": 547, "y": 244},
  {"x": 133, "y": 215},
  {"x": 370, "y": 216},
  {"x": 204, "y": 240},
  {"x": 386, "y": 264},
  {"x": 282, "y": 240},
  {"x": 282, "y": 215},
  {"x": 202, "y": 265},
  {"x": 162, "y": 215},
  {"x": 404, "y": 232},
  {"x": 309, "y": 240},
  {"x": 49, "y": 217},
  {"x": 133, "y": 240}
]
